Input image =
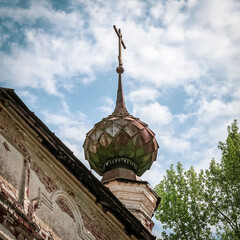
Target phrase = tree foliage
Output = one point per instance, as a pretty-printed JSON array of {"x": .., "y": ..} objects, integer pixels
[
  {"x": 193, "y": 205},
  {"x": 182, "y": 208}
]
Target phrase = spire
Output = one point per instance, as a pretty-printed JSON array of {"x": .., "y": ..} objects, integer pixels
[
  {"x": 120, "y": 141},
  {"x": 120, "y": 108}
]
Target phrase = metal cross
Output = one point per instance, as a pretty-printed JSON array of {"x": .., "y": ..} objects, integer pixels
[{"x": 120, "y": 42}]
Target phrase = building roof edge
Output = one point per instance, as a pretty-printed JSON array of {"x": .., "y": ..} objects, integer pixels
[{"x": 66, "y": 157}]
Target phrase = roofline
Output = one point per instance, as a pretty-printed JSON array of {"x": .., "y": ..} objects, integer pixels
[{"x": 66, "y": 157}]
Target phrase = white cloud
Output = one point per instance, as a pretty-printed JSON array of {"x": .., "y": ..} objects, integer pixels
[
  {"x": 107, "y": 105},
  {"x": 173, "y": 144},
  {"x": 71, "y": 128},
  {"x": 210, "y": 112},
  {"x": 165, "y": 56},
  {"x": 43, "y": 10},
  {"x": 28, "y": 97},
  {"x": 143, "y": 95},
  {"x": 153, "y": 113},
  {"x": 49, "y": 62},
  {"x": 156, "y": 174},
  {"x": 175, "y": 34},
  {"x": 181, "y": 117},
  {"x": 170, "y": 44},
  {"x": 161, "y": 64},
  {"x": 57, "y": 56},
  {"x": 169, "y": 11}
]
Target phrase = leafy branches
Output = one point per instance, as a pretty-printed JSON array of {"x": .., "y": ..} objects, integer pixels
[
  {"x": 193, "y": 204},
  {"x": 182, "y": 208},
  {"x": 223, "y": 184}
]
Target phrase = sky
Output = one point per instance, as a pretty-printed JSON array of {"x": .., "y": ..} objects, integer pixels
[{"x": 181, "y": 62}]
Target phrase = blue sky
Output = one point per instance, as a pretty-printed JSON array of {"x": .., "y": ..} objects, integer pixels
[{"x": 182, "y": 69}]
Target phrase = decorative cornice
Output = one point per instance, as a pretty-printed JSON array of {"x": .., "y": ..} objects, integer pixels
[{"x": 117, "y": 161}]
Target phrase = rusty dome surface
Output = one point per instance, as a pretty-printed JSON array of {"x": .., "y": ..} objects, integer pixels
[{"x": 120, "y": 140}]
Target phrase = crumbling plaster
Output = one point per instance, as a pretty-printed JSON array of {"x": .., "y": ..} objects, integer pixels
[{"x": 36, "y": 182}]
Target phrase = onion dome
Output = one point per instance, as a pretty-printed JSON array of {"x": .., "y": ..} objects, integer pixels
[{"x": 120, "y": 141}]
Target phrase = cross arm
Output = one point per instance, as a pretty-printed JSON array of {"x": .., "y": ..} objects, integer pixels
[{"x": 119, "y": 35}]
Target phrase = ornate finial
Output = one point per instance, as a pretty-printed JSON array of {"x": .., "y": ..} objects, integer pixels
[
  {"x": 120, "y": 103},
  {"x": 119, "y": 69},
  {"x": 124, "y": 144}
]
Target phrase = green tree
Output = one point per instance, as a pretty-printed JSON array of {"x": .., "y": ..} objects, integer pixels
[
  {"x": 192, "y": 204},
  {"x": 222, "y": 191},
  {"x": 182, "y": 208}
]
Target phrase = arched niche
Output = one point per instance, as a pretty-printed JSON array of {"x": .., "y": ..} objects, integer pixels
[{"x": 65, "y": 218}]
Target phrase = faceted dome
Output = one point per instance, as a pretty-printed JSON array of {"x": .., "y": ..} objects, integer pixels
[{"x": 120, "y": 141}]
